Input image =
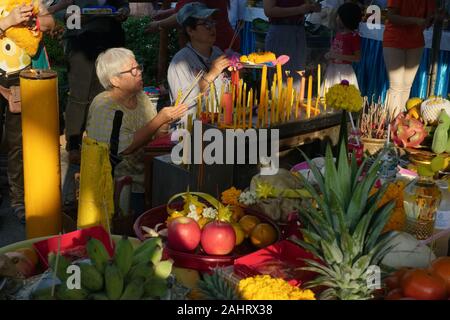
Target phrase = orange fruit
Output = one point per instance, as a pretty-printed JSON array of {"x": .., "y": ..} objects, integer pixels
[
  {"x": 237, "y": 214},
  {"x": 31, "y": 254},
  {"x": 240, "y": 234},
  {"x": 248, "y": 223},
  {"x": 263, "y": 235}
]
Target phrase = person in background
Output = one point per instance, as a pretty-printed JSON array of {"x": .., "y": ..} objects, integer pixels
[
  {"x": 345, "y": 48},
  {"x": 82, "y": 47},
  {"x": 125, "y": 118},
  {"x": 200, "y": 54},
  {"x": 224, "y": 37},
  {"x": 286, "y": 35},
  {"x": 403, "y": 44},
  {"x": 14, "y": 59},
  {"x": 236, "y": 12}
]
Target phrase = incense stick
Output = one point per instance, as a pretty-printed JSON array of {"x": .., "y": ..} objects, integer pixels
[{"x": 196, "y": 81}]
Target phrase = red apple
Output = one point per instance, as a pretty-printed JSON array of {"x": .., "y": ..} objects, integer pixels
[
  {"x": 183, "y": 234},
  {"x": 218, "y": 238}
]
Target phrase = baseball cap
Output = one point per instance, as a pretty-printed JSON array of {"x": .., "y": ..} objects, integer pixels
[{"x": 195, "y": 10}]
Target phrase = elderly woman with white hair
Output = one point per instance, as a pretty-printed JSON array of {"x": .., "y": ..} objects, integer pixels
[{"x": 125, "y": 118}]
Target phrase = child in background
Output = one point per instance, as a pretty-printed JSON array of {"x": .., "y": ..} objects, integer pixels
[{"x": 345, "y": 48}]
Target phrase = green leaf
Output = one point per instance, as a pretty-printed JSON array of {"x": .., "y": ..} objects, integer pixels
[
  {"x": 362, "y": 264},
  {"x": 347, "y": 247},
  {"x": 332, "y": 252},
  {"x": 378, "y": 223},
  {"x": 344, "y": 177},
  {"x": 307, "y": 247}
]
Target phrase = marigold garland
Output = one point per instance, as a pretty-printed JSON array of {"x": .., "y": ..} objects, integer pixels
[
  {"x": 345, "y": 97},
  {"x": 264, "y": 287}
]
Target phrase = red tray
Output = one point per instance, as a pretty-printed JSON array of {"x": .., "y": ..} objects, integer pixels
[
  {"x": 280, "y": 260},
  {"x": 73, "y": 244},
  {"x": 197, "y": 260}
]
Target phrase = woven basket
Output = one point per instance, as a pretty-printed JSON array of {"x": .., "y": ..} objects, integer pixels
[{"x": 373, "y": 146}]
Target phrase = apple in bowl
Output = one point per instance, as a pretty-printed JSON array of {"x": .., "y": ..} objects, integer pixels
[
  {"x": 218, "y": 238},
  {"x": 183, "y": 234}
]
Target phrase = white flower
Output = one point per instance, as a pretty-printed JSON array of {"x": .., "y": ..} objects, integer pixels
[
  {"x": 209, "y": 213},
  {"x": 247, "y": 198},
  {"x": 193, "y": 213}
]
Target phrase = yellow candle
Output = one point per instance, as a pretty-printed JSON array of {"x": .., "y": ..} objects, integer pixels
[
  {"x": 280, "y": 89},
  {"x": 273, "y": 99},
  {"x": 241, "y": 83},
  {"x": 308, "y": 106},
  {"x": 296, "y": 104},
  {"x": 290, "y": 82},
  {"x": 318, "y": 80},
  {"x": 40, "y": 137},
  {"x": 199, "y": 106},
  {"x": 302, "y": 91},
  {"x": 266, "y": 109},
  {"x": 250, "y": 116},
  {"x": 249, "y": 97},
  {"x": 244, "y": 104}
]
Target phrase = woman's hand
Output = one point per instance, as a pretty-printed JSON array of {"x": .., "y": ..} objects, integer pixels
[
  {"x": 218, "y": 65},
  {"x": 20, "y": 15},
  {"x": 170, "y": 114}
]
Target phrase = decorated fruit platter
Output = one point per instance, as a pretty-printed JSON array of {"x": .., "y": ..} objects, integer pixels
[{"x": 199, "y": 242}]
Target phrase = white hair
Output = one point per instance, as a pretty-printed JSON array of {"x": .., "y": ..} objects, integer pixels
[{"x": 110, "y": 62}]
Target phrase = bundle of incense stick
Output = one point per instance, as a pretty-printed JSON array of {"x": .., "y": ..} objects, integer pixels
[
  {"x": 374, "y": 119},
  {"x": 184, "y": 96}
]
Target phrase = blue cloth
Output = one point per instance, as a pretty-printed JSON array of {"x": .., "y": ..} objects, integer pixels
[
  {"x": 373, "y": 78},
  {"x": 371, "y": 70}
]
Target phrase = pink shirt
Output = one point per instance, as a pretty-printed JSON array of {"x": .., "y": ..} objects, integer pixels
[{"x": 346, "y": 44}]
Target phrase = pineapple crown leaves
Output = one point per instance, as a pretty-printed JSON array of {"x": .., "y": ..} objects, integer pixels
[
  {"x": 343, "y": 227},
  {"x": 215, "y": 287}
]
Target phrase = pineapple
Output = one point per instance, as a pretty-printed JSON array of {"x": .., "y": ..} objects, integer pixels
[
  {"x": 343, "y": 225},
  {"x": 215, "y": 287}
]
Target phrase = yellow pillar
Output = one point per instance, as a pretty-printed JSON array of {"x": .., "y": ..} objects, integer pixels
[{"x": 41, "y": 166}]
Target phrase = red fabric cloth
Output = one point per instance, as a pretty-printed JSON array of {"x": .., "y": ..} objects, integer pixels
[
  {"x": 346, "y": 44},
  {"x": 224, "y": 30},
  {"x": 288, "y": 4},
  {"x": 411, "y": 36}
]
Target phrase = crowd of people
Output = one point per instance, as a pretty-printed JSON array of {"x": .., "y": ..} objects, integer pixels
[{"x": 106, "y": 100}]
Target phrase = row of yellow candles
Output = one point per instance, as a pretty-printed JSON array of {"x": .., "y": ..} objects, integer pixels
[{"x": 281, "y": 108}]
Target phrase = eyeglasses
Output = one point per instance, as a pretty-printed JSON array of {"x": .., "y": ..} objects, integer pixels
[
  {"x": 134, "y": 71},
  {"x": 208, "y": 24}
]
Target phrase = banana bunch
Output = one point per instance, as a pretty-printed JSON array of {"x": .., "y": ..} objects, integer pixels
[{"x": 131, "y": 274}]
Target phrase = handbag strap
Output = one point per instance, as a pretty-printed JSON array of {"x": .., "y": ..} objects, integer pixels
[{"x": 114, "y": 157}]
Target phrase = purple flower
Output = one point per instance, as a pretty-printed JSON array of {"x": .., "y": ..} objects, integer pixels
[{"x": 345, "y": 83}]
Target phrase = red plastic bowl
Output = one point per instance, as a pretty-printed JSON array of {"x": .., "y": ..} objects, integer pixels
[{"x": 197, "y": 260}]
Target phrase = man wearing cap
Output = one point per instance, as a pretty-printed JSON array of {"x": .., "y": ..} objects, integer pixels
[{"x": 199, "y": 54}]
